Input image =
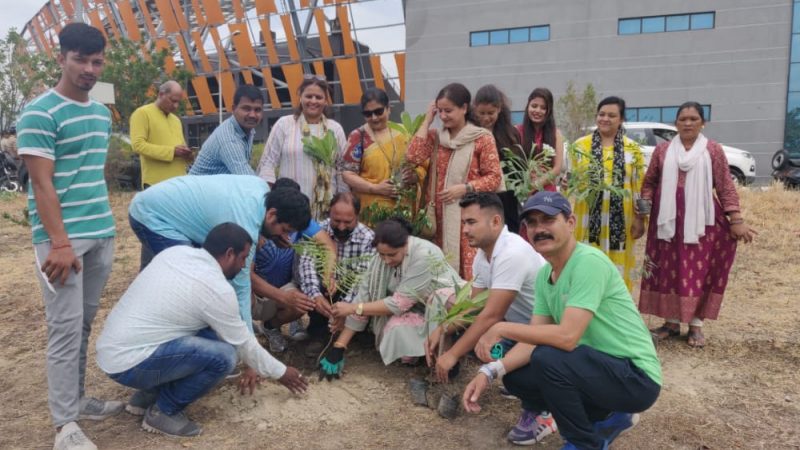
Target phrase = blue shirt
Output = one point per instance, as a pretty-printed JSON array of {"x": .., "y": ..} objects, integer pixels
[{"x": 226, "y": 151}]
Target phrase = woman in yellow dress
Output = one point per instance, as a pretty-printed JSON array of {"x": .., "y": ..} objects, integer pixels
[
  {"x": 373, "y": 164},
  {"x": 610, "y": 222}
]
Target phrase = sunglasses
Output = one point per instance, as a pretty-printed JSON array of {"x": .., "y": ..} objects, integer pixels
[
  {"x": 375, "y": 112},
  {"x": 311, "y": 76}
]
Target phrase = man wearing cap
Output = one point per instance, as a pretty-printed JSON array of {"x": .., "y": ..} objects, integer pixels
[{"x": 586, "y": 356}]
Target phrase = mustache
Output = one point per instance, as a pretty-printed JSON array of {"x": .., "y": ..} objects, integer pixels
[{"x": 542, "y": 236}]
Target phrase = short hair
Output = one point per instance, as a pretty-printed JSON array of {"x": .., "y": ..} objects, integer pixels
[
  {"x": 247, "y": 91},
  {"x": 167, "y": 87},
  {"x": 484, "y": 200},
  {"x": 393, "y": 232},
  {"x": 613, "y": 100},
  {"x": 291, "y": 206},
  {"x": 374, "y": 94},
  {"x": 224, "y": 236},
  {"x": 286, "y": 183},
  {"x": 82, "y": 38},
  {"x": 693, "y": 105},
  {"x": 347, "y": 197}
]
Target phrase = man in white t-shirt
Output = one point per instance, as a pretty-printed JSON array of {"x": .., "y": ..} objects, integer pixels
[{"x": 177, "y": 332}]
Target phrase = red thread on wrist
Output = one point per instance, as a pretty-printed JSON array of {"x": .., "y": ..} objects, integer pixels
[{"x": 57, "y": 247}]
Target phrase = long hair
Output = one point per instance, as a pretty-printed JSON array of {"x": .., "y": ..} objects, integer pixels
[
  {"x": 549, "y": 126},
  {"x": 505, "y": 136}
]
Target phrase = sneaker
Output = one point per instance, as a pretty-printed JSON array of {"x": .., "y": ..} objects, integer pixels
[
  {"x": 615, "y": 424},
  {"x": 140, "y": 401},
  {"x": 176, "y": 425},
  {"x": 95, "y": 409},
  {"x": 296, "y": 331},
  {"x": 276, "y": 341},
  {"x": 72, "y": 438},
  {"x": 505, "y": 394},
  {"x": 532, "y": 428}
]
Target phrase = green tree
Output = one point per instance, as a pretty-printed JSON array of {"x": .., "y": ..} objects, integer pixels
[{"x": 576, "y": 111}]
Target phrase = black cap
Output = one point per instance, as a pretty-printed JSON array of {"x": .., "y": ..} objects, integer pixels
[{"x": 550, "y": 203}]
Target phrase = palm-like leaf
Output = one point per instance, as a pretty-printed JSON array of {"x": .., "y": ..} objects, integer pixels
[
  {"x": 322, "y": 150},
  {"x": 408, "y": 126}
]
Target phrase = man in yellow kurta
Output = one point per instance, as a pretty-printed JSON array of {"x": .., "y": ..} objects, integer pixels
[{"x": 157, "y": 136}]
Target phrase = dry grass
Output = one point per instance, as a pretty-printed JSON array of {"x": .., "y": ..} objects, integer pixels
[{"x": 741, "y": 391}]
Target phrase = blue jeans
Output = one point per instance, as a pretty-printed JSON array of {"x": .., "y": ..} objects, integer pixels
[
  {"x": 152, "y": 243},
  {"x": 181, "y": 371}
]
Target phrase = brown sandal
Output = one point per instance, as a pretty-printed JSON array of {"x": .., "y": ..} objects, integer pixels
[
  {"x": 664, "y": 332},
  {"x": 695, "y": 338}
]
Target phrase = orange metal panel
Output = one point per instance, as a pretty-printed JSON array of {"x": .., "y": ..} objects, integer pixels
[
  {"x": 328, "y": 2},
  {"x": 266, "y": 7},
  {"x": 400, "y": 59},
  {"x": 131, "y": 26},
  {"x": 324, "y": 42},
  {"x": 350, "y": 82},
  {"x": 148, "y": 21},
  {"x": 68, "y": 9},
  {"x": 305, "y": 3},
  {"x": 228, "y": 89},
  {"x": 110, "y": 18},
  {"x": 344, "y": 22},
  {"x": 94, "y": 18},
  {"x": 169, "y": 62},
  {"x": 41, "y": 44},
  {"x": 248, "y": 77},
  {"x": 47, "y": 20},
  {"x": 270, "y": 84},
  {"x": 319, "y": 68},
  {"x": 294, "y": 76},
  {"x": 167, "y": 16},
  {"x": 201, "y": 52},
  {"x": 223, "y": 60},
  {"x": 185, "y": 55},
  {"x": 377, "y": 70},
  {"x": 272, "y": 53},
  {"x": 200, "y": 85},
  {"x": 247, "y": 56},
  {"x": 198, "y": 13},
  {"x": 213, "y": 12},
  {"x": 291, "y": 43},
  {"x": 182, "y": 22},
  {"x": 237, "y": 9}
]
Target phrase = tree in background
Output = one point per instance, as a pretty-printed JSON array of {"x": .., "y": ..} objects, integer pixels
[{"x": 576, "y": 111}]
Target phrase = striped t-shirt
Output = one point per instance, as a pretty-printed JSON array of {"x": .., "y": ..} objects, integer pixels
[{"x": 75, "y": 137}]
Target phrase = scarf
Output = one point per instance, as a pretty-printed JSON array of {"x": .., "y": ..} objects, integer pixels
[
  {"x": 698, "y": 197},
  {"x": 616, "y": 213},
  {"x": 463, "y": 147}
]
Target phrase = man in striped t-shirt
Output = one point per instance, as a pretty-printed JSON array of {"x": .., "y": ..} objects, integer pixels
[{"x": 63, "y": 138}]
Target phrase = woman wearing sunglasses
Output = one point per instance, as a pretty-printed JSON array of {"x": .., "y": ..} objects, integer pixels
[
  {"x": 373, "y": 164},
  {"x": 283, "y": 152}
]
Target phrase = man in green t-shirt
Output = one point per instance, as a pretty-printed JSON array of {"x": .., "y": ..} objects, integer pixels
[{"x": 586, "y": 356}]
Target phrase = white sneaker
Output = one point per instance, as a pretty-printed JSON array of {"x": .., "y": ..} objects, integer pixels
[
  {"x": 96, "y": 409},
  {"x": 72, "y": 438}
]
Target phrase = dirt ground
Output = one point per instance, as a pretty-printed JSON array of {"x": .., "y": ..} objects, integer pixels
[{"x": 741, "y": 391}]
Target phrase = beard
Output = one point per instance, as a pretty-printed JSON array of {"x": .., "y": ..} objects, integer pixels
[{"x": 343, "y": 235}]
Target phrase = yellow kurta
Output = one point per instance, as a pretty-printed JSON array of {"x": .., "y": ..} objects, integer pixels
[
  {"x": 154, "y": 136},
  {"x": 634, "y": 173}
]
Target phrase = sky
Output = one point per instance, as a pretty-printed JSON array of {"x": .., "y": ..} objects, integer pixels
[{"x": 16, "y": 13}]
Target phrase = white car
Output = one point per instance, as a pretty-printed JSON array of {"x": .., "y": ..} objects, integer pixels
[{"x": 649, "y": 134}]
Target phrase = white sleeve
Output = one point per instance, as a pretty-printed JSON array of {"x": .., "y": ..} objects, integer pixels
[
  {"x": 511, "y": 269},
  {"x": 479, "y": 269}
]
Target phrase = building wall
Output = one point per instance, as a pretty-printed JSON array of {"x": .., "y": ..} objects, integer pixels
[{"x": 740, "y": 67}]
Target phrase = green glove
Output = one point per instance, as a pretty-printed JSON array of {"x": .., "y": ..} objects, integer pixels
[{"x": 332, "y": 364}]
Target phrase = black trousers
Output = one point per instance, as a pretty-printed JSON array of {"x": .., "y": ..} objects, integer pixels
[{"x": 579, "y": 388}]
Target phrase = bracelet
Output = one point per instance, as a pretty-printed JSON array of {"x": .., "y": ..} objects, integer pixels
[
  {"x": 484, "y": 369},
  {"x": 493, "y": 370},
  {"x": 360, "y": 309},
  {"x": 736, "y": 221},
  {"x": 57, "y": 247}
]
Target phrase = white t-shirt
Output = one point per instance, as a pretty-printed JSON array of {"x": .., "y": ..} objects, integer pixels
[
  {"x": 513, "y": 267},
  {"x": 182, "y": 291}
]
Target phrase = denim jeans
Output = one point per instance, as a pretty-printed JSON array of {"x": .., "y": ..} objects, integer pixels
[
  {"x": 152, "y": 243},
  {"x": 181, "y": 371}
]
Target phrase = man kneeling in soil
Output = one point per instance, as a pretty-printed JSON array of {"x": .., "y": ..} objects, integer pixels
[
  {"x": 176, "y": 332},
  {"x": 594, "y": 364}
]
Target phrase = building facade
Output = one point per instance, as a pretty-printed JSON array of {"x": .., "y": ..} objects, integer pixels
[{"x": 733, "y": 56}]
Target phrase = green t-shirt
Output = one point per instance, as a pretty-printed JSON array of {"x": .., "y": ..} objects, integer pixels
[
  {"x": 75, "y": 137},
  {"x": 590, "y": 281}
]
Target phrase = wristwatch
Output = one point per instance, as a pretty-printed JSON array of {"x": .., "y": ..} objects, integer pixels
[{"x": 360, "y": 309}]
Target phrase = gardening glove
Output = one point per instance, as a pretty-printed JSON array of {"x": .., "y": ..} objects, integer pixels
[{"x": 332, "y": 364}]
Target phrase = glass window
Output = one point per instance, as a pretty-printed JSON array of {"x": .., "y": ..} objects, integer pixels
[
  {"x": 795, "y": 54},
  {"x": 631, "y": 115},
  {"x": 497, "y": 37},
  {"x": 707, "y": 112},
  {"x": 794, "y": 77},
  {"x": 478, "y": 38},
  {"x": 650, "y": 114},
  {"x": 518, "y": 35},
  {"x": 517, "y": 116},
  {"x": 630, "y": 26},
  {"x": 702, "y": 21},
  {"x": 668, "y": 114},
  {"x": 653, "y": 25},
  {"x": 540, "y": 33},
  {"x": 796, "y": 20},
  {"x": 678, "y": 23},
  {"x": 663, "y": 135},
  {"x": 639, "y": 135}
]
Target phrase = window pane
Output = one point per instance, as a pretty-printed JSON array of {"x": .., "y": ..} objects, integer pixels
[
  {"x": 516, "y": 117},
  {"x": 518, "y": 35},
  {"x": 678, "y": 23},
  {"x": 796, "y": 20},
  {"x": 795, "y": 48},
  {"x": 653, "y": 25},
  {"x": 478, "y": 39},
  {"x": 650, "y": 114},
  {"x": 702, "y": 21},
  {"x": 668, "y": 114},
  {"x": 638, "y": 135},
  {"x": 540, "y": 33},
  {"x": 630, "y": 26},
  {"x": 631, "y": 115},
  {"x": 498, "y": 37},
  {"x": 793, "y": 101},
  {"x": 707, "y": 112}
]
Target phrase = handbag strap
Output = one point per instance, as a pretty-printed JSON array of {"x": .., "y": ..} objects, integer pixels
[{"x": 432, "y": 168}]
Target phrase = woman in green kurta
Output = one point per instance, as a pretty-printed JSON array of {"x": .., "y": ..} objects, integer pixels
[{"x": 406, "y": 286}]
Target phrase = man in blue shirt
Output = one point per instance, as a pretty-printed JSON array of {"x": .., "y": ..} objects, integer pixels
[{"x": 228, "y": 149}]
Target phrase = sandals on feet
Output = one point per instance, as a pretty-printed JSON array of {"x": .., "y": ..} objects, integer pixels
[
  {"x": 695, "y": 338},
  {"x": 664, "y": 332}
]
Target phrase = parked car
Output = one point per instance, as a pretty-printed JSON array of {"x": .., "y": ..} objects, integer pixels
[
  {"x": 649, "y": 134},
  {"x": 786, "y": 167}
]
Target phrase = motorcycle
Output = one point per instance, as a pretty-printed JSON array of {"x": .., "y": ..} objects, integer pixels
[
  {"x": 786, "y": 168},
  {"x": 8, "y": 174}
]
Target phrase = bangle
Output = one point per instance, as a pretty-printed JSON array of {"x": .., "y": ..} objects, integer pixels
[
  {"x": 484, "y": 369},
  {"x": 57, "y": 247},
  {"x": 360, "y": 309}
]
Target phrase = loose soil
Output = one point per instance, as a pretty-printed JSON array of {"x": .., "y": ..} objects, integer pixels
[{"x": 741, "y": 391}]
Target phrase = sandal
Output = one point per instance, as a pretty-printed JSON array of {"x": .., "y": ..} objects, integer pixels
[
  {"x": 665, "y": 332},
  {"x": 695, "y": 338}
]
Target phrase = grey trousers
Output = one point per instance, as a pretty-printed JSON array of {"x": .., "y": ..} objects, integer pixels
[{"x": 69, "y": 311}]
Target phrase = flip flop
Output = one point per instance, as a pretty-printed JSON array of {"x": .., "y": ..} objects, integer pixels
[
  {"x": 664, "y": 332},
  {"x": 696, "y": 339}
]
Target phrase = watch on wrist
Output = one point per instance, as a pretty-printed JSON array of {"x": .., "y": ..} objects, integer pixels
[{"x": 360, "y": 309}]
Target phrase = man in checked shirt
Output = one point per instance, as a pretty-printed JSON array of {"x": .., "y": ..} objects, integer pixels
[{"x": 353, "y": 244}]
